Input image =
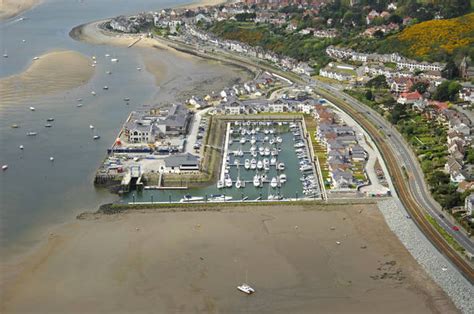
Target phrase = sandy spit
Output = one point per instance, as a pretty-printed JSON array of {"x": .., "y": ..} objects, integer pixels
[
  {"x": 331, "y": 259},
  {"x": 53, "y": 72},
  {"x": 11, "y": 8}
]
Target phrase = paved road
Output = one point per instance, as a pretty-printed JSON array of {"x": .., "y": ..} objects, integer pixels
[{"x": 406, "y": 157}]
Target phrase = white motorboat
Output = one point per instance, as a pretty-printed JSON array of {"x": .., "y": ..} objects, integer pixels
[
  {"x": 247, "y": 164},
  {"x": 237, "y": 162},
  {"x": 267, "y": 151},
  {"x": 238, "y": 183},
  {"x": 283, "y": 178},
  {"x": 108, "y": 72},
  {"x": 96, "y": 137},
  {"x": 91, "y": 127},
  {"x": 279, "y": 139},
  {"x": 272, "y": 141},
  {"x": 15, "y": 126},
  {"x": 31, "y": 133},
  {"x": 256, "y": 181},
  {"x": 35, "y": 58},
  {"x": 220, "y": 184},
  {"x": 306, "y": 168},
  {"x": 254, "y": 153},
  {"x": 188, "y": 198},
  {"x": 274, "y": 182},
  {"x": 259, "y": 164},
  {"x": 265, "y": 139},
  {"x": 266, "y": 167},
  {"x": 4, "y": 167},
  {"x": 228, "y": 182},
  {"x": 253, "y": 148},
  {"x": 243, "y": 140},
  {"x": 105, "y": 87},
  {"x": 139, "y": 69},
  {"x": 79, "y": 105},
  {"x": 50, "y": 119},
  {"x": 93, "y": 93},
  {"x": 245, "y": 288},
  {"x": 273, "y": 161},
  {"x": 51, "y": 158},
  {"x": 32, "y": 108},
  {"x": 21, "y": 147},
  {"x": 261, "y": 150},
  {"x": 219, "y": 198},
  {"x": 253, "y": 164},
  {"x": 253, "y": 140},
  {"x": 266, "y": 162},
  {"x": 114, "y": 60},
  {"x": 281, "y": 166},
  {"x": 48, "y": 125}
]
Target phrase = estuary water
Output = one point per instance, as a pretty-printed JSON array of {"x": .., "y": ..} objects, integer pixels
[{"x": 36, "y": 192}]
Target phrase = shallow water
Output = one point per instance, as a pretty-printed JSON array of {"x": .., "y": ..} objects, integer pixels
[{"x": 36, "y": 192}]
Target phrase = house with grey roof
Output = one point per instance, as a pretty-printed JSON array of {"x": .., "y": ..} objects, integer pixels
[{"x": 181, "y": 162}]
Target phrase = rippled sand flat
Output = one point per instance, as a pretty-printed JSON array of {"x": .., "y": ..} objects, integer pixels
[
  {"x": 10, "y": 8},
  {"x": 191, "y": 262},
  {"x": 51, "y": 73}
]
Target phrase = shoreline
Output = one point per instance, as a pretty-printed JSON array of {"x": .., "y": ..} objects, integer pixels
[
  {"x": 12, "y": 8},
  {"x": 209, "y": 252}
]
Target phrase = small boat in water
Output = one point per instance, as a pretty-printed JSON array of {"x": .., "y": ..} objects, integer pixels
[
  {"x": 51, "y": 158},
  {"x": 31, "y": 133},
  {"x": 238, "y": 183},
  {"x": 108, "y": 72},
  {"x": 91, "y": 127},
  {"x": 93, "y": 93},
  {"x": 190, "y": 198},
  {"x": 219, "y": 198},
  {"x": 79, "y": 105},
  {"x": 228, "y": 182},
  {"x": 114, "y": 60},
  {"x": 220, "y": 184},
  {"x": 21, "y": 147},
  {"x": 245, "y": 288},
  {"x": 247, "y": 164},
  {"x": 105, "y": 87},
  {"x": 256, "y": 180},
  {"x": 96, "y": 137},
  {"x": 32, "y": 108},
  {"x": 4, "y": 167},
  {"x": 15, "y": 126},
  {"x": 50, "y": 119},
  {"x": 281, "y": 166},
  {"x": 282, "y": 178},
  {"x": 48, "y": 125},
  {"x": 35, "y": 58},
  {"x": 274, "y": 182}
]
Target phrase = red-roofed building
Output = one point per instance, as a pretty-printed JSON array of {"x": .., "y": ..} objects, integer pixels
[
  {"x": 409, "y": 98},
  {"x": 438, "y": 105}
]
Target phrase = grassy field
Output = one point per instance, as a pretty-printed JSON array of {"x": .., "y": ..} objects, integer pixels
[{"x": 319, "y": 149}]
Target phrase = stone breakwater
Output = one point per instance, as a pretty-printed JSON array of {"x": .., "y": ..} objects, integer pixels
[{"x": 435, "y": 264}]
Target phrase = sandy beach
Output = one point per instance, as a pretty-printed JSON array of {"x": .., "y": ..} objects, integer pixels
[
  {"x": 52, "y": 72},
  {"x": 11, "y": 8},
  {"x": 203, "y": 3},
  {"x": 191, "y": 262}
]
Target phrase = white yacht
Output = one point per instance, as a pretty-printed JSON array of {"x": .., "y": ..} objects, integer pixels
[
  {"x": 220, "y": 184},
  {"x": 274, "y": 182},
  {"x": 189, "y": 198},
  {"x": 219, "y": 198},
  {"x": 247, "y": 164},
  {"x": 51, "y": 158},
  {"x": 282, "y": 178},
  {"x": 253, "y": 140},
  {"x": 253, "y": 164},
  {"x": 266, "y": 162},
  {"x": 279, "y": 139},
  {"x": 91, "y": 127},
  {"x": 243, "y": 140},
  {"x": 238, "y": 183},
  {"x": 281, "y": 166},
  {"x": 259, "y": 164},
  {"x": 256, "y": 181},
  {"x": 32, "y": 108},
  {"x": 96, "y": 137},
  {"x": 4, "y": 167},
  {"x": 261, "y": 150},
  {"x": 267, "y": 151},
  {"x": 273, "y": 161},
  {"x": 31, "y": 133},
  {"x": 93, "y": 93},
  {"x": 21, "y": 147},
  {"x": 245, "y": 288},
  {"x": 228, "y": 182}
]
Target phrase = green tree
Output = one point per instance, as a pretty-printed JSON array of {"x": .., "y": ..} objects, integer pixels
[
  {"x": 421, "y": 87},
  {"x": 447, "y": 91}
]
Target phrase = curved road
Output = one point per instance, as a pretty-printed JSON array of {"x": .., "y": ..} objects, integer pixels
[{"x": 406, "y": 157}]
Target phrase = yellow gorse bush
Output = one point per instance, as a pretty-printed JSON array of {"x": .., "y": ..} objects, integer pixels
[{"x": 446, "y": 35}]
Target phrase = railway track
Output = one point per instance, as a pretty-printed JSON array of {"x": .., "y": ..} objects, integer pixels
[{"x": 412, "y": 206}]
